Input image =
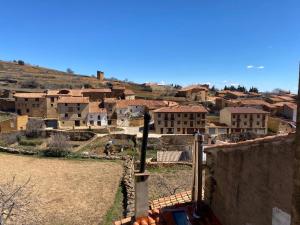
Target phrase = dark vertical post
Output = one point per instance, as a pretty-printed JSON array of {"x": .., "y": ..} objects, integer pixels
[
  {"x": 296, "y": 179},
  {"x": 197, "y": 172},
  {"x": 147, "y": 118}
]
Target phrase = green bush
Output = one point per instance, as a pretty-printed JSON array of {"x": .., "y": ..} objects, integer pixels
[
  {"x": 55, "y": 153},
  {"x": 30, "y": 142}
]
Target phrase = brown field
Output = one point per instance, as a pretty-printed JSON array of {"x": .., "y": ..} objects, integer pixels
[
  {"x": 69, "y": 192},
  {"x": 168, "y": 181}
]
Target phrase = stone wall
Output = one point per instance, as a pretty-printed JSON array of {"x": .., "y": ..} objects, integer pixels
[
  {"x": 249, "y": 181},
  {"x": 177, "y": 142},
  {"x": 128, "y": 183}
]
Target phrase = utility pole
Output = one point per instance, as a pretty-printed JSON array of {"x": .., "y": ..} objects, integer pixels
[{"x": 296, "y": 179}]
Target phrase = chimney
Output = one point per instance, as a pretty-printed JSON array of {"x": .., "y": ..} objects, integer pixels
[
  {"x": 197, "y": 174},
  {"x": 100, "y": 75},
  {"x": 141, "y": 177}
]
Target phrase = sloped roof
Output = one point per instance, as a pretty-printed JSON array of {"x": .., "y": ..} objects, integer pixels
[
  {"x": 73, "y": 100},
  {"x": 159, "y": 216},
  {"x": 29, "y": 95},
  {"x": 245, "y": 110},
  {"x": 256, "y": 102},
  {"x": 129, "y": 92},
  {"x": 182, "y": 109},
  {"x": 110, "y": 100},
  {"x": 94, "y": 107},
  {"x": 151, "y": 104},
  {"x": 291, "y": 105},
  {"x": 191, "y": 87},
  {"x": 96, "y": 90}
]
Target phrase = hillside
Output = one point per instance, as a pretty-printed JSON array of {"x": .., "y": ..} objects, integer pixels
[{"x": 35, "y": 78}]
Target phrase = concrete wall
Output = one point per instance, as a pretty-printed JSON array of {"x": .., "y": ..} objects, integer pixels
[{"x": 249, "y": 180}]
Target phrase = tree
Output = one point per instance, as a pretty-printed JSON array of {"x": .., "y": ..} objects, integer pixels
[
  {"x": 69, "y": 70},
  {"x": 241, "y": 89},
  {"x": 33, "y": 127},
  {"x": 21, "y": 62},
  {"x": 32, "y": 84},
  {"x": 213, "y": 89},
  {"x": 253, "y": 89},
  {"x": 16, "y": 203},
  {"x": 58, "y": 145}
]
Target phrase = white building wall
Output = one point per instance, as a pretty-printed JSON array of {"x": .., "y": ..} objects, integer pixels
[{"x": 97, "y": 119}]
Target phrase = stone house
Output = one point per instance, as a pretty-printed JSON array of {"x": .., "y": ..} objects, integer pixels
[
  {"x": 129, "y": 94},
  {"x": 118, "y": 92},
  {"x": 109, "y": 104},
  {"x": 290, "y": 111},
  {"x": 31, "y": 104},
  {"x": 127, "y": 110},
  {"x": 217, "y": 128},
  {"x": 194, "y": 92},
  {"x": 245, "y": 119},
  {"x": 73, "y": 111},
  {"x": 97, "y": 94},
  {"x": 7, "y": 104},
  {"x": 97, "y": 116},
  {"x": 10, "y": 123},
  {"x": 180, "y": 119}
]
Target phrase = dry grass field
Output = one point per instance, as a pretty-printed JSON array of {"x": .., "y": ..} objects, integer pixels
[
  {"x": 168, "y": 181},
  {"x": 16, "y": 77},
  {"x": 69, "y": 192}
]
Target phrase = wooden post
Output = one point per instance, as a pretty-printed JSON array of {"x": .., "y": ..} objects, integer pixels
[
  {"x": 197, "y": 173},
  {"x": 296, "y": 179}
]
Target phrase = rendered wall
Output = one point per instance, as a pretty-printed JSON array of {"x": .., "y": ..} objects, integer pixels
[{"x": 250, "y": 181}]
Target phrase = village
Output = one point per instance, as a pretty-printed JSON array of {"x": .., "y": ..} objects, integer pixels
[
  {"x": 219, "y": 114},
  {"x": 108, "y": 120}
]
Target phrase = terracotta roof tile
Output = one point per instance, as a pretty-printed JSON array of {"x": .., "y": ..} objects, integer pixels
[
  {"x": 29, "y": 95},
  {"x": 151, "y": 104},
  {"x": 291, "y": 105},
  {"x": 110, "y": 100},
  {"x": 94, "y": 107},
  {"x": 256, "y": 102},
  {"x": 169, "y": 205},
  {"x": 244, "y": 110},
  {"x": 129, "y": 92},
  {"x": 96, "y": 90},
  {"x": 181, "y": 108},
  {"x": 191, "y": 87},
  {"x": 73, "y": 100}
]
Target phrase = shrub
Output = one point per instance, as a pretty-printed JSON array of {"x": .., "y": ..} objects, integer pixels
[
  {"x": 58, "y": 146},
  {"x": 9, "y": 139},
  {"x": 30, "y": 84},
  {"x": 30, "y": 142},
  {"x": 34, "y": 127},
  {"x": 69, "y": 70}
]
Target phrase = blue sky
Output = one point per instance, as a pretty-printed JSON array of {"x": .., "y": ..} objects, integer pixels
[{"x": 248, "y": 42}]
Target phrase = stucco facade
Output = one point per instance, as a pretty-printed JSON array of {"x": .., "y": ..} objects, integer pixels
[
  {"x": 245, "y": 119},
  {"x": 180, "y": 120},
  {"x": 73, "y": 111}
]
